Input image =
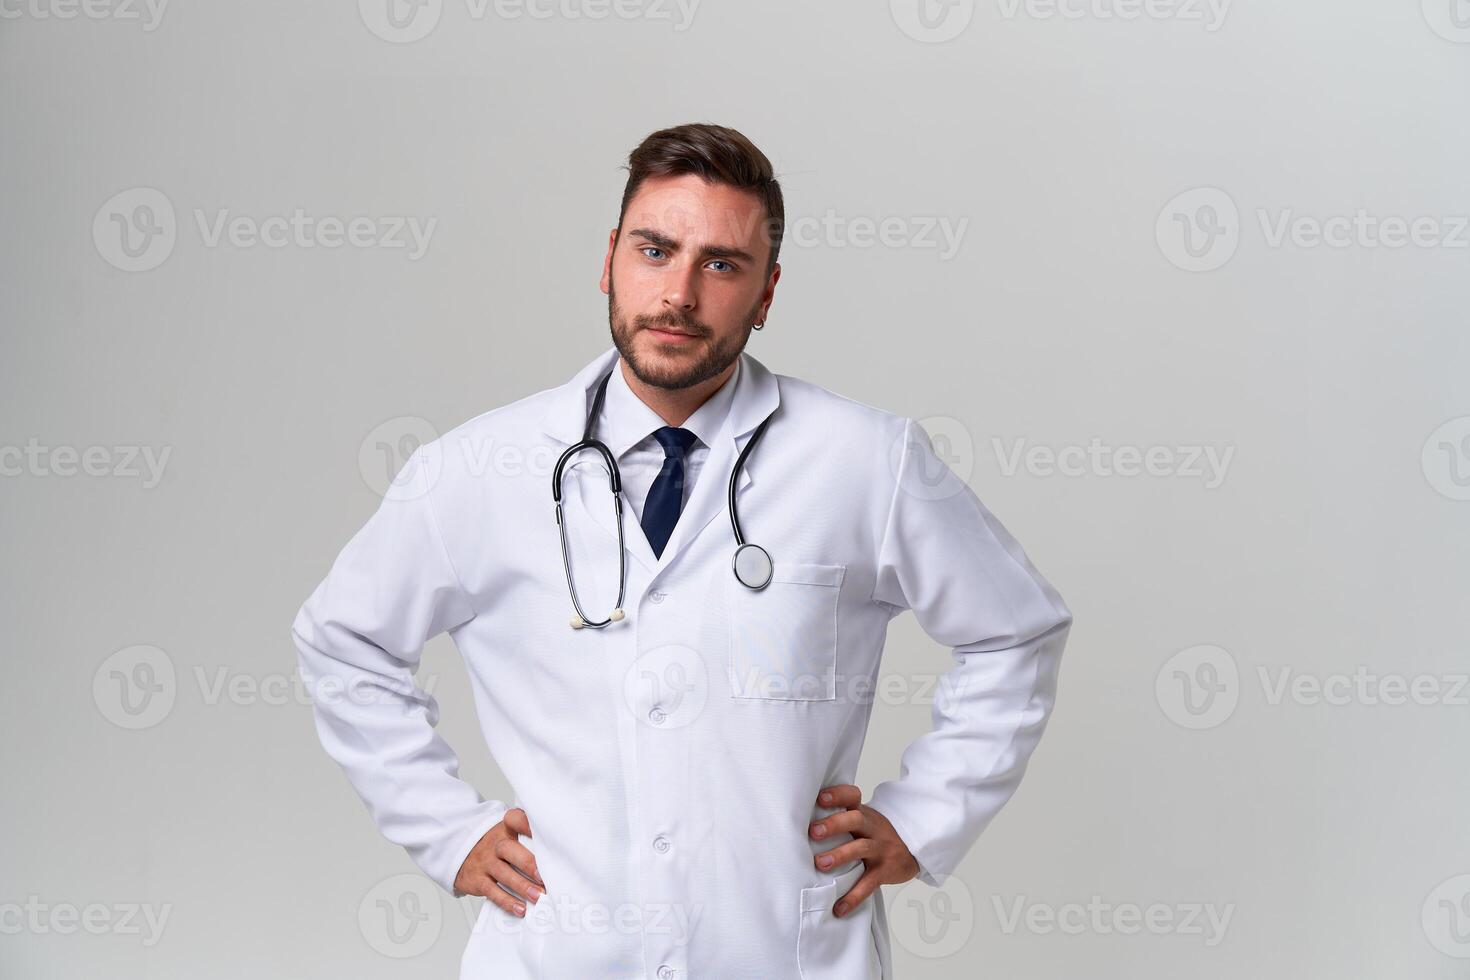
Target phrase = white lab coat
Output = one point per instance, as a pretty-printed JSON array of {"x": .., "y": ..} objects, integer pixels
[{"x": 669, "y": 764}]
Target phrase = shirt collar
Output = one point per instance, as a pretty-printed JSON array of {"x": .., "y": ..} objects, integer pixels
[{"x": 627, "y": 420}]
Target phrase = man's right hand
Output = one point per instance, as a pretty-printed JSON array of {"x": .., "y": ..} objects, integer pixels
[{"x": 500, "y": 862}]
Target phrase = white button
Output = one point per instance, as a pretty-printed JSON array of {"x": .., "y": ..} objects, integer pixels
[
  {"x": 658, "y": 596},
  {"x": 657, "y": 715},
  {"x": 666, "y": 973},
  {"x": 661, "y": 844}
]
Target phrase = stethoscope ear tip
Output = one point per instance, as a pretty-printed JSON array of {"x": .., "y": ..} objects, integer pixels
[{"x": 577, "y": 622}]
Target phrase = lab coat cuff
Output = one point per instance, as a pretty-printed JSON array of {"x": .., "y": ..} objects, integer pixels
[
  {"x": 887, "y": 799},
  {"x": 490, "y": 813}
]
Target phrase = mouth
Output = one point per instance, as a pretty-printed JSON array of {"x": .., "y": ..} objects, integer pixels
[{"x": 670, "y": 335}]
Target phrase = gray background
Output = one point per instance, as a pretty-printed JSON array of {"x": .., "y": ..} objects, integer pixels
[{"x": 1176, "y": 774}]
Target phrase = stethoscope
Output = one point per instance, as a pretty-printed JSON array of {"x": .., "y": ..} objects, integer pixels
[{"x": 751, "y": 563}]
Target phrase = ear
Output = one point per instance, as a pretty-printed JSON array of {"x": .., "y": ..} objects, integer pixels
[
  {"x": 612, "y": 243},
  {"x": 770, "y": 294}
]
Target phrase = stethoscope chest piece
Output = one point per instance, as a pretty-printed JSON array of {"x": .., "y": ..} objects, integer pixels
[{"x": 752, "y": 566}]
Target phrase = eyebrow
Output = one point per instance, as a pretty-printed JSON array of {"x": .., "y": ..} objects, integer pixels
[{"x": 709, "y": 251}]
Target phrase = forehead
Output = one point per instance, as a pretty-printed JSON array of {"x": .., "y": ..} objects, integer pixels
[{"x": 692, "y": 210}]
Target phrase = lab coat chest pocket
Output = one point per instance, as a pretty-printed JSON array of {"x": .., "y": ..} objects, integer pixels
[
  {"x": 832, "y": 948},
  {"x": 783, "y": 638}
]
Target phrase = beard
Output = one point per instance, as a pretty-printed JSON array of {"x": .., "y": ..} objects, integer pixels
[{"x": 715, "y": 356}]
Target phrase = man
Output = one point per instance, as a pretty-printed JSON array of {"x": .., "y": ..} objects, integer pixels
[{"x": 683, "y": 766}]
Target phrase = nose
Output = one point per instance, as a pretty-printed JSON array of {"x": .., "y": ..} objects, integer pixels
[{"x": 680, "y": 293}]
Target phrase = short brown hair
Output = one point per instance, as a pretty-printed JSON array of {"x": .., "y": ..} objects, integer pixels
[{"x": 719, "y": 155}]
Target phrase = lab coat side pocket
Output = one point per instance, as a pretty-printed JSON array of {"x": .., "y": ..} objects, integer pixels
[
  {"x": 507, "y": 946},
  {"x": 833, "y": 948},
  {"x": 783, "y": 638}
]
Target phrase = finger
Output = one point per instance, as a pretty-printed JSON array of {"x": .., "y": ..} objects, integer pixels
[
  {"x": 514, "y": 882},
  {"x": 847, "y": 821},
  {"x": 843, "y": 795},
  {"x": 851, "y": 851},
  {"x": 517, "y": 821},
  {"x": 514, "y": 853},
  {"x": 503, "y": 899},
  {"x": 860, "y": 891}
]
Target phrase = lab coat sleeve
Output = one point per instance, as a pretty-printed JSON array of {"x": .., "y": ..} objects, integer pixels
[
  {"x": 971, "y": 587},
  {"x": 359, "y": 637}
]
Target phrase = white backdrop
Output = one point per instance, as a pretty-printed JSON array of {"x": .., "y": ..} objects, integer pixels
[{"x": 1178, "y": 286}]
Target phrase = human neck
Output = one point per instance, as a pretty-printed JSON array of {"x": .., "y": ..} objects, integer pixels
[{"x": 675, "y": 405}]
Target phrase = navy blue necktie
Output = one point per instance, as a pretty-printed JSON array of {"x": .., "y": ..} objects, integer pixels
[{"x": 666, "y": 496}]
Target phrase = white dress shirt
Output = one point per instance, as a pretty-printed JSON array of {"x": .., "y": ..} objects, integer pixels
[{"x": 627, "y": 425}]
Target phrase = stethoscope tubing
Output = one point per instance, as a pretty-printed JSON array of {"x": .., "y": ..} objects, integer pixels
[{"x": 615, "y": 482}]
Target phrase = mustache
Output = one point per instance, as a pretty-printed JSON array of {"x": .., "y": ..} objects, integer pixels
[{"x": 683, "y": 324}]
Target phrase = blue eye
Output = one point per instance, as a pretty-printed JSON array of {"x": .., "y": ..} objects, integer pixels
[
  {"x": 724, "y": 263},
  {"x": 650, "y": 248}
]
